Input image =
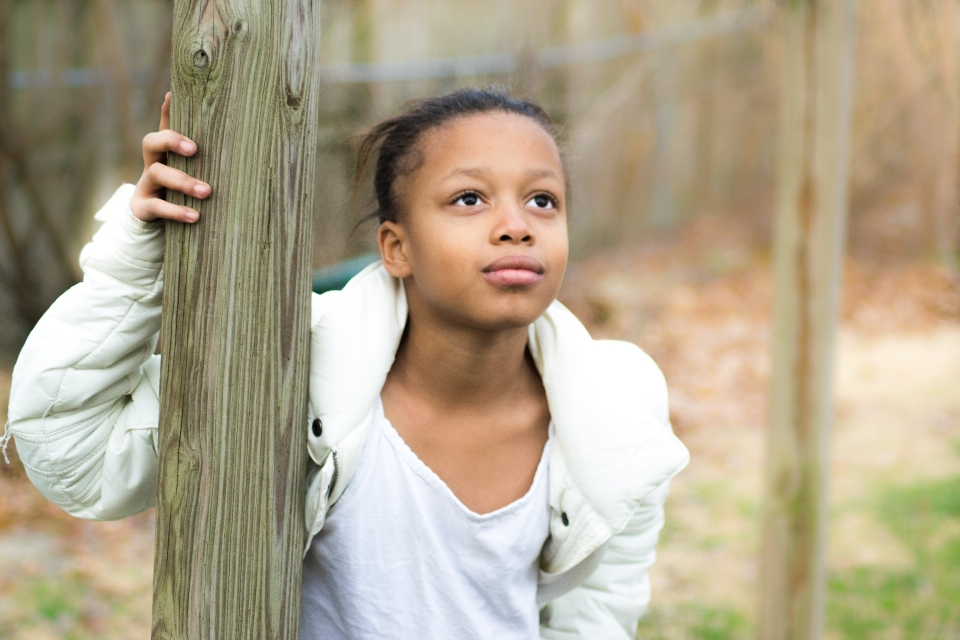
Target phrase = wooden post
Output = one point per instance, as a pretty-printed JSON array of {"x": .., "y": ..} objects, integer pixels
[
  {"x": 236, "y": 322},
  {"x": 808, "y": 247}
]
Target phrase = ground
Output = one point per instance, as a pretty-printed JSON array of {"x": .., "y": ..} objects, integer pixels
[{"x": 699, "y": 302}]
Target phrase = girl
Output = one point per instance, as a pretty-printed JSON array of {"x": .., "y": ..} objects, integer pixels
[{"x": 480, "y": 467}]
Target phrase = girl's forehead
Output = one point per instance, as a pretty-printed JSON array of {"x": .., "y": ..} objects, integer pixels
[
  {"x": 505, "y": 138},
  {"x": 491, "y": 123}
]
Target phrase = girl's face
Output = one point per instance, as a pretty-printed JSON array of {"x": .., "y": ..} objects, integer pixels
[{"x": 482, "y": 238}]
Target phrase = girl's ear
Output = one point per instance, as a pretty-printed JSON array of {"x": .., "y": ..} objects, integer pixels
[{"x": 393, "y": 249}]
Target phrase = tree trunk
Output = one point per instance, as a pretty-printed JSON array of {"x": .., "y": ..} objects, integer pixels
[
  {"x": 662, "y": 214},
  {"x": 809, "y": 238},
  {"x": 947, "y": 143},
  {"x": 236, "y": 323}
]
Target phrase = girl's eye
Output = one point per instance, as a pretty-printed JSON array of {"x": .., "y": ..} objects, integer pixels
[
  {"x": 543, "y": 201},
  {"x": 467, "y": 200}
]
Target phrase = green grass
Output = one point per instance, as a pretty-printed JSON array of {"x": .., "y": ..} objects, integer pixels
[
  {"x": 691, "y": 622},
  {"x": 918, "y": 603},
  {"x": 52, "y": 602},
  {"x": 955, "y": 443}
]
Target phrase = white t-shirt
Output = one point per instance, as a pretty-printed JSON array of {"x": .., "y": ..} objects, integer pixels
[{"x": 400, "y": 557}]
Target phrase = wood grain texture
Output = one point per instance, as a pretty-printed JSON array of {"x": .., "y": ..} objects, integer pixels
[
  {"x": 808, "y": 259},
  {"x": 236, "y": 323}
]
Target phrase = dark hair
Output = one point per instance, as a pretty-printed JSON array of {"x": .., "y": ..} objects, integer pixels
[{"x": 393, "y": 142}]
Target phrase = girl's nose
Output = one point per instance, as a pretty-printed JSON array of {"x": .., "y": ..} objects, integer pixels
[{"x": 512, "y": 227}]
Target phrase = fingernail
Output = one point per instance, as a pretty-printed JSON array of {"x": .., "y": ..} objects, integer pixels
[
  {"x": 192, "y": 216},
  {"x": 187, "y": 147},
  {"x": 202, "y": 190}
]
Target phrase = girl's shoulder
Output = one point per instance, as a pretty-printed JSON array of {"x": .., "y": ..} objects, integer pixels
[
  {"x": 609, "y": 372},
  {"x": 372, "y": 294},
  {"x": 625, "y": 365}
]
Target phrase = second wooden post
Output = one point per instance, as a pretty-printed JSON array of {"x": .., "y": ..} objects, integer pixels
[
  {"x": 235, "y": 337},
  {"x": 808, "y": 259}
]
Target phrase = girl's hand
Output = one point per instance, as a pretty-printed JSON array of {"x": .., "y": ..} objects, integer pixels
[{"x": 148, "y": 203}]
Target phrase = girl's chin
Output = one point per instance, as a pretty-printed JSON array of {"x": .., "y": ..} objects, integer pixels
[
  {"x": 487, "y": 307},
  {"x": 510, "y": 318}
]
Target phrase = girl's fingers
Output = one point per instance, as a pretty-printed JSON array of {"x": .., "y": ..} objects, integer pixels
[
  {"x": 165, "y": 113},
  {"x": 160, "y": 176},
  {"x": 148, "y": 203},
  {"x": 156, "y": 145},
  {"x": 149, "y": 209}
]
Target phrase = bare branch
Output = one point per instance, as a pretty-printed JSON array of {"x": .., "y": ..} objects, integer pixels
[
  {"x": 19, "y": 282},
  {"x": 20, "y": 165}
]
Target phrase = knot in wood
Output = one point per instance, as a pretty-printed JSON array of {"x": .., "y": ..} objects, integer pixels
[{"x": 201, "y": 59}]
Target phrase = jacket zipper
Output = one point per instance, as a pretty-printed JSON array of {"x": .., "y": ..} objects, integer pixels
[{"x": 336, "y": 472}]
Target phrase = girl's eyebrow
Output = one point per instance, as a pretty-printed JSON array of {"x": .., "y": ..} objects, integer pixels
[
  {"x": 543, "y": 173},
  {"x": 480, "y": 172},
  {"x": 472, "y": 172}
]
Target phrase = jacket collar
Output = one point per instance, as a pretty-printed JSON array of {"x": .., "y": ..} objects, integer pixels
[{"x": 603, "y": 395}]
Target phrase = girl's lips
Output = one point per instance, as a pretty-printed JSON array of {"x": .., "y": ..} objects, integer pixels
[
  {"x": 512, "y": 277},
  {"x": 514, "y": 271}
]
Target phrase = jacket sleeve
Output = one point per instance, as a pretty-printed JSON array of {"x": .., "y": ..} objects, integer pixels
[
  {"x": 84, "y": 398},
  {"x": 610, "y": 602}
]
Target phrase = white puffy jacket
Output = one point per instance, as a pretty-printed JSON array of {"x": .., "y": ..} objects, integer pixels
[{"x": 84, "y": 411}]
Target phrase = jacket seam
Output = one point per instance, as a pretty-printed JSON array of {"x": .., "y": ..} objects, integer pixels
[
  {"x": 58, "y": 480},
  {"x": 58, "y": 435},
  {"x": 60, "y": 474},
  {"x": 103, "y": 342},
  {"x": 130, "y": 261}
]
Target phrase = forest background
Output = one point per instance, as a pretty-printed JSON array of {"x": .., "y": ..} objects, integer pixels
[{"x": 670, "y": 111}]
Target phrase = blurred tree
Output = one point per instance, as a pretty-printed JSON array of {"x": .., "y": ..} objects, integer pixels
[
  {"x": 72, "y": 109},
  {"x": 40, "y": 262},
  {"x": 933, "y": 30}
]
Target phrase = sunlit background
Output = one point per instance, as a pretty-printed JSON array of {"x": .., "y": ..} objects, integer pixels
[{"x": 670, "y": 114}]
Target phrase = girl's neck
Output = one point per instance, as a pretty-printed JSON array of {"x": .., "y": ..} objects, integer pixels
[{"x": 455, "y": 366}]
